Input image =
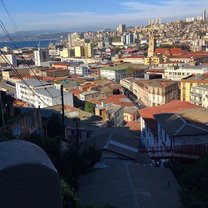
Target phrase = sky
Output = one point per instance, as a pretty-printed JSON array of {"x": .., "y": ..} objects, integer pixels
[{"x": 66, "y": 15}]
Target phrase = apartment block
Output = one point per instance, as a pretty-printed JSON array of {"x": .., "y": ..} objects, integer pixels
[
  {"x": 177, "y": 73},
  {"x": 155, "y": 92},
  {"x": 192, "y": 81},
  {"x": 41, "y": 94},
  {"x": 115, "y": 73},
  {"x": 199, "y": 95}
]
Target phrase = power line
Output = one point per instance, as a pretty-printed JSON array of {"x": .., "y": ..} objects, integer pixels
[
  {"x": 11, "y": 39},
  {"x": 20, "y": 77}
]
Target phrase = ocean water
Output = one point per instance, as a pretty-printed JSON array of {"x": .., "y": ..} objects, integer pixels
[{"x": 22, "y": 44}]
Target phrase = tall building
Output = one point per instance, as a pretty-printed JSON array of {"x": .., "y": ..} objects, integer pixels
[
  {"x": 204, "y": 15},
  {"x": 8, "y": 59},
  {"x": 123, "y": 39},
  {"x": 130, "y": 38},
  {"x": 158, "y": 21},
  {"x": 88, "y": 50},
  {"x": 151, "y": 48},
  {"x": 41, "y": 55},
  {"x": 70, "y": 40},
  {"x": 121, "y": 28},
  {"x": 150, "y": 22},
  {"x": 79, "y": 51}
]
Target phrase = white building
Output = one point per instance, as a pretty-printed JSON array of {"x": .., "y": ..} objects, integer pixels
[
  {"x": 199, "y": 95},
  {"x": 41, "y": 55},
  {"x": 176, "y": 74},
  {"x": 9, "y": 58},
  {"x": 41, "y": 93},
  {"x": 113, "y": 73},
  {"x": 80, "y": 70},
  {"x": 89, "y": 95}
]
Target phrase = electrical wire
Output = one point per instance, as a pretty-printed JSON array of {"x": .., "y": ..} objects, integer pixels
[
  {"x": 20, "y": 77},
  {"x": 11, "y": 39}
]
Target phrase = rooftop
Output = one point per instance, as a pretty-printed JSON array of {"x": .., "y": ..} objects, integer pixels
[
  {"x": 174, "y": 106},
  {"x": 51, "y": 92},
  {"x": 196, "y": 77},
  {"x": 34, "y": 82},
  {"x": 176, "y": 125}
]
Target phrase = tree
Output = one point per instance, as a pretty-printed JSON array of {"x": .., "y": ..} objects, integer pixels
[
  {"x": 54, "y": 127},
  {"x": 69, "y": 198},
  {"x": 89, "y": 107}
]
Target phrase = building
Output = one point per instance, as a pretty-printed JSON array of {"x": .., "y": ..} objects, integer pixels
[
  {"x": 158, "y": 21},
  {"x": 177, "y": 73},
  {"x": 115, "y": 73},
  {"x": 130, "y": 113},
  {"x": 152, "y": 44},
  {"x": 41, "y": 94},
  {"x": 41, "y": 55},
  {"x": 121, "y": 28},
  {"x": 88, "y": 95},
  {"x": 199, "y": 95},
  {"x": 79, "y": 70},
  {"x": 88, "y": 50},
  {"x": 155, "y": 92},
  {"x": 153, "y": 60},
  {"x": 150, "y": 135},
  {"x": 128, "y": 83},
  {"x": 204, "y": 15},
  {"x": 184, "y": 132},
  {"x": 130, "y": 38},
  {"x": 192, "y": 81},
  {"x": 70, "y": 41},
  {"x": 134, "y": 59},
  {"x": 8, "y": 59},
  {"x": 79, "y": 51},
  {"x": 111, "y": 113},
  {"x": 65, "y": 53}
]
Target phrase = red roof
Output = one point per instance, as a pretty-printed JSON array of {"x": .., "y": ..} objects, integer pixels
[
  {"x": 169, "y": 51},
  {"x": 134, "y": 57},
  {"x": 174, "y": 106},
  {"x": 134, "y": 125},
  {"x": 121, "y": 100}
]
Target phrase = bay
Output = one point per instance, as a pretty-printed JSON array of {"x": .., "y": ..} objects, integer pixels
[{"x": 32, "y": 43}]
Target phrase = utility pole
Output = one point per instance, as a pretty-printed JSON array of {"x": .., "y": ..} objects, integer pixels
[
  {"x": 62, "y": 108},
  {"x": 2, "y": 112}
]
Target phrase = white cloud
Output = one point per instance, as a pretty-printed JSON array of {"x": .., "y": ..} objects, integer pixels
[{"x": 135, "y": 13}]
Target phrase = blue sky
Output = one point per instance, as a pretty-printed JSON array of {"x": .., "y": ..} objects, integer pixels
[{"x": 69, "y": 14}]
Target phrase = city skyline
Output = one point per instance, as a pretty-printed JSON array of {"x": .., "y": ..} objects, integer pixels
[{"x": 39, "y": 15}]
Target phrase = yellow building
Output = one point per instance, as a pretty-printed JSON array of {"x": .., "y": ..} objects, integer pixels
[
  {"x": 147, "y": 61},
  {"x": 65, "y": 53},
  {"x": 79, "y": 51},
  {"x": 154, "y": 60},
  {"x": 88, "y": 50},
  {"x": 191, "y": 81}
]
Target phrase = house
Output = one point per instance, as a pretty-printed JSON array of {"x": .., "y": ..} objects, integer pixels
[
  {"x": 199, "y": 95},
  {"x": 149, "y": 129},
  {"x": 130, "y": 113},
  {"x": 188, "y": 83},
  {"x": 41, "y": 94},
  {"x": 111, "y": 113},
  {"x": 177, "y": 73},
  {"x": 85, "y": 96},
  {"x": 184, "y": 132},
  {"x": 155, "y": 92},
  {"x": 115, "y": 73}
]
